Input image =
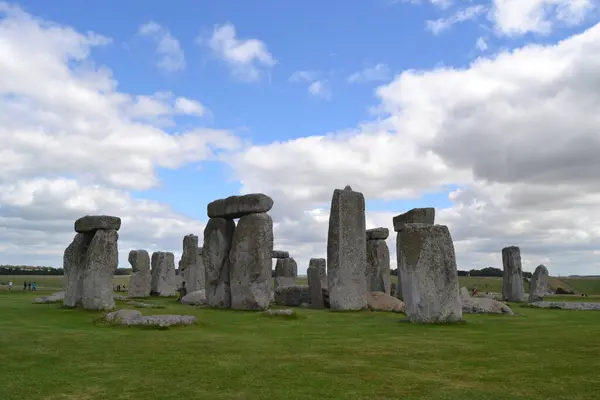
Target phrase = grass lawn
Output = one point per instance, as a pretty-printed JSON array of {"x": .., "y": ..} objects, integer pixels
[{"x": 53, "y": 353}]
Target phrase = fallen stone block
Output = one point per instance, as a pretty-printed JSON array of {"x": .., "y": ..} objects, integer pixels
[
  {"x": 197, "y": 298},
  {"x": 292, "y": 296},
  {"x": 380, "y": 301},
  {"x": 135, "y": 318}
]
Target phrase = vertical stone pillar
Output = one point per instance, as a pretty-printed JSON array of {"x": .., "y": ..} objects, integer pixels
[
  {"x": 512, "y": 279},
  {"x": 378, "y": 261}
]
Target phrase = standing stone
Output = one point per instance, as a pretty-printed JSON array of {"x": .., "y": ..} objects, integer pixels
[
  {"x": 286, "y": 271},
  {"x": 512, "y": 282},
  {"x": 102, "y": 260},
  {"x": 140, "y": 281},
  {"x": 191, "y": 265},
  {"x": 321, "y": 265},
  {"x": 314, "y": 287},
  {"x": 218, "y": 235},
  {"x": 538, "y": 286},
  {"x": 428, "y": 272},
  {"x": 250, "y": 262},
  {"x": 73, "y": 266},
  {"x": 163, "y": 274},
  {"x": 378, "y": 261},
  {"x": 238, "y": 206},
  {"x": 347, "y": 251}
]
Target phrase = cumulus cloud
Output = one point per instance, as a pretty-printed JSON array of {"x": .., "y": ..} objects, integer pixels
[
  {"x": 245, "y": 57},
  {"x": 378, "y": 72},
  {"x": 171, "y": 56},
  {"x": 320, "y": 89},
  {"x": 467, "y": 14}
]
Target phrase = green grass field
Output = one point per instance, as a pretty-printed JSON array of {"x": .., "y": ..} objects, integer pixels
[{"x": 53, "y": 353}]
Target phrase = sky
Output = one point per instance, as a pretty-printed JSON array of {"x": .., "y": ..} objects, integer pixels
[{"x": 488, "y": 111}]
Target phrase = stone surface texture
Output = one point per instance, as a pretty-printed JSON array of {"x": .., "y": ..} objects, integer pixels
[
  {"x": 380, "y": 301},
  {"x": 53, "y": 298},
  {"x": 378, "y": 266},
  {"x": 218, "y": 235},
  {"x": 134, "y": 317},
  {"x": 163, "y": 274},
  {"x": 280, "y": 254},
  {"x": 292, "y": 296},
  {"x": 321, "y": 265},
  {"x": 378, "y": 233},
  {"x": 481, "y": 305},
  {"x": 286, "y": 312},
  {"x": 512, "y": 280},
  {"x": 197, "y": 298},
  {"x": 428, "y": 273},
  {"x": 347, "y": 251},
  {"x": 250, "y": 261},
  {"x": 567, "y": 305},
  {"x": 141, "y": 278},
  {"x": 74, "y": 260},
  {"x": 101, "y": 262},
  {"x": 286, "y": 271},
  {"x": 191, "y": 265},
  {"x": 139, "y": 304},
  {"x": 238, "y": 206},
  {"x": 91, "y": 223},
  {"x": 315, "y": 287},
  {"x": 414, "y": 216},
  {"x": 538, "y": 286}
]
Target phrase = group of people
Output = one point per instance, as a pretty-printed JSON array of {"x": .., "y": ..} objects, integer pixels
[
  {"x": 28, "y": 285},
  {"x": 119, "y": 288}
]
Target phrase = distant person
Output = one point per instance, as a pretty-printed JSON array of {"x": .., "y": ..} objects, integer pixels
[
  {"x": 33, "y": 286},
  {"x": 25, "y": 285},
  {"x": 9, "y": 285},
  {"x": 28, "y": 285},
  {"x": 118, "y": 288}
]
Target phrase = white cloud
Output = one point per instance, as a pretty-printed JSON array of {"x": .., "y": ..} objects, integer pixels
[
  {"x": 189, "y": 107},
  {"x": 379, "y": 72},
  {"x": 442, "y": 4},
  {"x": 518, "y": 17},
  {"x": 467, "y": 14},
  {"x": 481, "y": 44},
  {"x": 320, "y": 89},
  {"x": 171, "y": 56},
  {"x": 245, "y": 57},
  {"x": 303, "y": 76}
]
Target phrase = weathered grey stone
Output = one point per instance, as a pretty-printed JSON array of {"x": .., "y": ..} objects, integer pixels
[
  {"x": 538, "y": 286},
  {"x": 53, "y": 298},
  {"x": 292, "y": 296},
  {"x": 480, "y": 305},
  {"x": 286, "y": 271},
  {"x": 393, "y": 289},
  {"x": 287, "y": 312},
  {"x": 428, "y": 274},
  {"x": 73, "y": 266},
  {"x": 321, "y": 265},
  {"x": 314, "y": 286},
  {"x": 378, "y": 233},
  {"x": 163, "y": 274},
  {"x": 102, "y": 260},
  {"x": 134, "y": 317},
  {"x": 118, "y": 297},
  {"x": 141, "y": 278},
  {"x": 380, "y": 301},
  {"x": 139, "y": 304},
  {"x": 218, "y": 235},
  {"x": 250, "y": 260},
  {"x": 378, "y": 266},
  {"x": 567, "y": 305},
  {"x": 191, "y": 265},
  {"x": 414, "y": 216},
  {"x": 325, "y": 292},
  {"x": 464, "y": 293},
  {"x": 280, "y": 254},
  {"x": 238, "y": 206},
  {"x": 92, "y": 223},
  {"x": 512, "y": 280},
  {"x": 347, "y": 251},
  {"x": 196, "y": 298}
]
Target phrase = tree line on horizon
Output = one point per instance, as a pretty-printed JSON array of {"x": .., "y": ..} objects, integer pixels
[{"x": 37, "y": 270}]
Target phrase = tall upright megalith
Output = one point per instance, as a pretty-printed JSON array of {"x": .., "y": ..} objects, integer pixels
[
  {"x": 512, "y": 279},
  {"x": 250, "y": 262},
  {"x": 90, "y": 262},
  {"x": 378, "y": 261},
  {"x": 286, "y": 272},
  {"x": 320, "y": 264},
  {"x": 191, "y": 265},
  {"x": 347, "y": 251},
  {"x": 164, "y": 281},
  {"x": 429, "y": 275},
  {"x": 141, "y": 279},
  {"x": 315, "y": 287},
  {"x": 416, "y": 215},
  {"x": 538, "y": 285},
  {"x": 218, "y": 235}
]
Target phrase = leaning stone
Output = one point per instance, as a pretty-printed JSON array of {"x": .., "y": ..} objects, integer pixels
[
  {"x": 538, "y": 286},
  {"x": 380, "y": 301},
  {"x": 287, "y": 312},
  {"x": 314, "y": 287},
  {"x": 163, "y": 274},
  {"x": 512, "y": 280},
  {"x": 197, "y": 298},
  {"x": 347, "y": 251},
  {"x": 378, "y": 233},
  {"x": 286, "y": 271},
  {"x": 414, "y": 216},
  {"x": 218, "y": 235},
  {"x": 191, "y": 265},
  {"x": 321, "y": 265},
  {"x": 292, "y": 296},
  {"x": 250, "y": 262},
  {"x": 567, "y": 305},
  {"x": 53, "y": 298},
  {"x": 140, "y": 280},
  {"x": 91, "y": 223},
  {"x": 428, "y": 274},
  {"x": 102, "y": 260},
  {"x": 378, "y": 266},
  {"x": 73, "y": 266},
  {"x": 238, "y": 206},
  {"x": 280, "y": 254},
  {"x": 483, "y": 305}
]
